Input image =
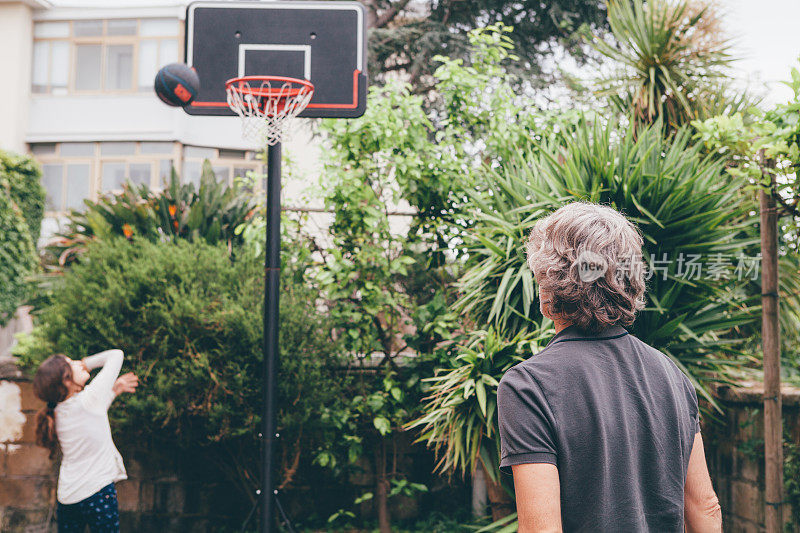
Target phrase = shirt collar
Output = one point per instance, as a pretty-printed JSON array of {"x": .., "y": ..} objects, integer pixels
[{"x": 575, "y": 333}]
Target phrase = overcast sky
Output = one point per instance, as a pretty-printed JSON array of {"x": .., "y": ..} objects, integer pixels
[{"x": 766, "y": 36}]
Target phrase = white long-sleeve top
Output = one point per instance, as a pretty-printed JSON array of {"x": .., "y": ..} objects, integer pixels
[{"x": 90, "y": 460}]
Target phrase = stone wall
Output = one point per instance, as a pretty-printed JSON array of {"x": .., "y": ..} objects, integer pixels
[{"x": 735, "y": 453}]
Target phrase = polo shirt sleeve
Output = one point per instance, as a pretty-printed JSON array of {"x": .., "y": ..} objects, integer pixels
[
  {"x": 693, "y": 404},
  {"x": 526, "y": 421}
]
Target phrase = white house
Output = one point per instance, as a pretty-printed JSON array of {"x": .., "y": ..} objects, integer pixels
[{"x": 77, "y": 93}]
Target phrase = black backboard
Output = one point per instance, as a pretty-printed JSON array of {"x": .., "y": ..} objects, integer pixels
[{"x": 323, "y": 42}]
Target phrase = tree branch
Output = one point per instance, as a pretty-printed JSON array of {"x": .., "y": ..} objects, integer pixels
[
  {"x": 372, "y": 13},
  {"x": 790, "y": 209},
  {"x": 391, "y": 13},
  {"x": 397, "y": 66}
]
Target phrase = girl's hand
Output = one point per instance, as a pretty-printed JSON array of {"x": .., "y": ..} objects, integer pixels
[{"x": 126, "y": 383}]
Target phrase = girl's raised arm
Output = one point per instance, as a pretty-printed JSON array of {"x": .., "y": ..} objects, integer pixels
[{"x": 99, "y": 392}]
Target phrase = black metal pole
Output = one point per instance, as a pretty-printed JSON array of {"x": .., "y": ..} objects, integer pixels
[{"x": 272, "y": 263}]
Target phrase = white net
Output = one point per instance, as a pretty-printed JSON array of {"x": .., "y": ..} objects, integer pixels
[{"x": 267, "y": 104}]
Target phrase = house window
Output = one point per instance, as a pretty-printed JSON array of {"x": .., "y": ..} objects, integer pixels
[
  {"x": 50, "y": 67},
  {"x": 76, "y": 171},
  {"x": 115, "y": 174},
  {"x": 227, "y": 165},
  {"x": 88, "y": 67},
  {"x": 67, "y": 185},
  {"x": 114, "y": 55}
]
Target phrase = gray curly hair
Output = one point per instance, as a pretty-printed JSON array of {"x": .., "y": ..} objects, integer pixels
[{"x": 589, "y": 258}]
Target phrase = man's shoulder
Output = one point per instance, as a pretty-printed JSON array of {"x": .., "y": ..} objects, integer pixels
[
  {"x": 556, "y": 355},
  {"x": 666, "y": 361},
  {"x": 537, "y": 366},
  {"x": 565, "y": 358}
]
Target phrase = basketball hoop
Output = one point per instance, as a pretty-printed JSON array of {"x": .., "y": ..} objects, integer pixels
[{"x": 266, "y": 104}]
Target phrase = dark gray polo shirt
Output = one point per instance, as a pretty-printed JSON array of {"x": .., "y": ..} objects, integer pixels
[{"x": 616, "y": 416}]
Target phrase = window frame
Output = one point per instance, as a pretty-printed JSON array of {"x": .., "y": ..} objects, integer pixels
[
  {"x": 155, "y": 160},
  {"x": 248, "y": 160},
  {"x": 104, "y": 41}
]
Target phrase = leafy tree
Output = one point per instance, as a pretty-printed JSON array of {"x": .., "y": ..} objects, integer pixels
[
  {"x": 762, "y": 150},
  {"x": 375, "y": 163},
  {"x": 17, "y": 254},
  {"x": 380, "y": 396},
  {"x": 405, "y": 36},
  {"x": 22, "y": 177}
]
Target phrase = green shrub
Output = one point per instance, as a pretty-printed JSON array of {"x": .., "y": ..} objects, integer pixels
[
  {"x": 17, "y": 255},
  {"x": 22, "y": 176},
  {"x": 189, "y": 320}
]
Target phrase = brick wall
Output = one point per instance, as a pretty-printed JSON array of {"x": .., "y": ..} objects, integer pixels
[{"x": 735, "y": 455}]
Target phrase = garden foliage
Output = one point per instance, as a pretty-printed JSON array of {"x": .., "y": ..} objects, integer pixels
[
  {"x": 405, "y": 38},
  {"x": 22, "y": 177},
  {"x": 189, "y": 319},
  {"x": 210, "y": 212},
  {"x": 671, "y": 63},
  {"x": 21, "y": 211},
  {"x": 175, "y": 278},
  {"x": 460, "y": 415},
  {"x": 17, "y": 254},
  {"x": 683, "y": 203},
  {"x": 763, "y": 150}
]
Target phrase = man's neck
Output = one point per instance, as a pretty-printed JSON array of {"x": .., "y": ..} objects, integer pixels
[{"x": 559, "y": 325}]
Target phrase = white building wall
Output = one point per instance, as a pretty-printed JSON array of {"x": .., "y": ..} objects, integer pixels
[
  {"x": 16, "y": 42},
  {"x": 120, "y": 117},
  {"x": 126, "y": 116},
  {"x": 129, "y": 117}
]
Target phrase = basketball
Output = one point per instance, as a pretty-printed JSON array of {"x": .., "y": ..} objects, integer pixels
[{"x": 177, "y": 84}]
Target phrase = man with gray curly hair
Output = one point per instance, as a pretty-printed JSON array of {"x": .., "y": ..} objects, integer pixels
[{"x": 600, "y": 430}]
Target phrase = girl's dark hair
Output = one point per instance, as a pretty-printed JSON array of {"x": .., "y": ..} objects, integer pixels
[{"x": 49, "y": 386}]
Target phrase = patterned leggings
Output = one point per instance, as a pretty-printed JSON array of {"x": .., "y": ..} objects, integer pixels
[{"x": 99, "y": 511}]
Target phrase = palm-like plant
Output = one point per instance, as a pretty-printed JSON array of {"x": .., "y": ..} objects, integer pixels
[
  {"x": 210, "y": 212},
  {"x": 460, "y": 409},
  {"x": 672, "y": 62},
  {"x": 682, "y": 201},
  {"x": 460, "y": 418}
]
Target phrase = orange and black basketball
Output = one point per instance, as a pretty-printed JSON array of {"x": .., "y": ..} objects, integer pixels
[{"x": 177, "y": 84}]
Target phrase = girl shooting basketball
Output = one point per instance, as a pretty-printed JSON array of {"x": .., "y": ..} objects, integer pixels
[{"x": 75, "y": 421}]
